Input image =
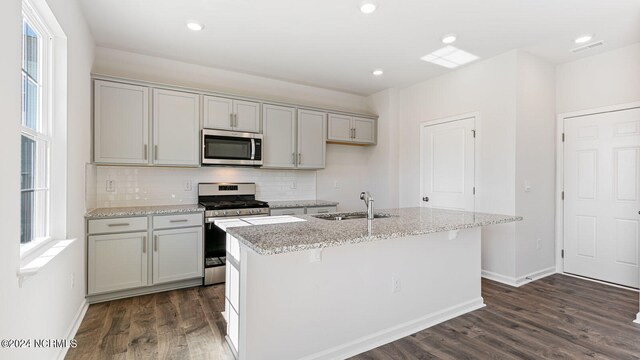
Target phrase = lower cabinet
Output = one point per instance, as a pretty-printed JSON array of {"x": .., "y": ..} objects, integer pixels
[
  {"x": 177, "y": 254},
  {"x": 125, "y": 260},
  {"x": 117, "y": 262}
]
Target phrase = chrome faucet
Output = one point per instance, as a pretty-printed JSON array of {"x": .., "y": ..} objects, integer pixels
[{"x": 368, "y": 200}]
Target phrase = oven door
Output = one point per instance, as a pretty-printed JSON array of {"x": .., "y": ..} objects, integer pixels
[{"x": 231, "y": 148}]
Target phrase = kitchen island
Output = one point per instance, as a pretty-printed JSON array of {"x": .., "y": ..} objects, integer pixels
[{"x": 316, "y": 288}]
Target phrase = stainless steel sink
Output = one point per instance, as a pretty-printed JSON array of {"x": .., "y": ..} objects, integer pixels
[{"x": 349, "y": 216}]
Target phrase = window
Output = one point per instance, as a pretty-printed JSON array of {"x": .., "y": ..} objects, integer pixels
[{"x": 36, "y": 131}]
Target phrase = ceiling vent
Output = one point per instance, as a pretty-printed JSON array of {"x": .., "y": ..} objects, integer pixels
[{"x": 587, "y": 47}]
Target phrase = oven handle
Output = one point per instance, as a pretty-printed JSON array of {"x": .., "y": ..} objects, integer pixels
[{"x": 253, "y": 149}]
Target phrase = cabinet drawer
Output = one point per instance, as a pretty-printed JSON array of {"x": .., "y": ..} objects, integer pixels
[
  {"x": 290, "y": 211},
  {"x": 102, "y": 226},
  {"x": 321, "y": 209},
  {"x": 177, "y": 220}
]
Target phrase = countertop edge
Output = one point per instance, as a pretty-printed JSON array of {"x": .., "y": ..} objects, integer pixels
[{"x": 105, "y": 213}]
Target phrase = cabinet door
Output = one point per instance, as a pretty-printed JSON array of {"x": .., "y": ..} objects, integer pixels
[
  {"x": 121, "y": 123},
  {"x": 117, "y": 262},
  {"x": 177, "y": 254},
  {"x": 247, "y": 116},
  {"x": 176, "y": 128},
  {"x": 312, "y": 127},
  {"x": 218, "y": 113},
  {"x": 278, "y": 145},
  {"x": 339, "y": 128},
  {"x": 364, "y": 130}
]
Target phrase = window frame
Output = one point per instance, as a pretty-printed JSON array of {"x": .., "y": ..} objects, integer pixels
[{"x": 44, "y": 132}]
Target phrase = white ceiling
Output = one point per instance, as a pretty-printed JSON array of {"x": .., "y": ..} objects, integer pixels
[{"x": 331, "y": 44}]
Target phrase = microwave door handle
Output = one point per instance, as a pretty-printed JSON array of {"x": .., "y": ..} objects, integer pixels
[{"x": 253, "y": 149}]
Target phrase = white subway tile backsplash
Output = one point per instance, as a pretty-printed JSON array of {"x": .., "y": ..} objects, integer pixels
[{"x": 142, "y": 186}]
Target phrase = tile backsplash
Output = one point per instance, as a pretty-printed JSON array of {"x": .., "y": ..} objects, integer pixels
[{"x": 148, "y": 186}]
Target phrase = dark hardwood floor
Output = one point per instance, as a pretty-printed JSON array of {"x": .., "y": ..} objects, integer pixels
[{"x": 558, "y": 317}]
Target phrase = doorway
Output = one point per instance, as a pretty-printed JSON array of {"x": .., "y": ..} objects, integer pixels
[
  {"x": 447, "y": 163},
  {"x": 602, "y": 196}
]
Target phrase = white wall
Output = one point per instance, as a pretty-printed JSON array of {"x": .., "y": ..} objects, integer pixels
[
  {"x": 45, "y": 307},
  {"x": 535, "y": 165},
  {"x": 369, "y": 168},
  {"x": 488, "y": 87},
  {"x": 609, "y": 78}
]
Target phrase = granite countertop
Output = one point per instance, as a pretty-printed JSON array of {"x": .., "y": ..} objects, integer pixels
[
  {"x": 300, "y": 203},
  {"x": 318, "y": 233},
  {"x": 142, "y": 211}
]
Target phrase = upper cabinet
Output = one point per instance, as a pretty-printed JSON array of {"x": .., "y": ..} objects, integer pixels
[
  {"x": 229, "y": 114},
  {"x": 351, "y": 129},
  {"x": 176, "y": 125},
  {"x": 124, "y": 133},
  {"x": 294, "y": 139},
  {"x": 121, "y": 123}
]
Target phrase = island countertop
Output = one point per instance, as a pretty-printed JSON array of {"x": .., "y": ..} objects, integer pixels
[{"x": 317, "y": 233}]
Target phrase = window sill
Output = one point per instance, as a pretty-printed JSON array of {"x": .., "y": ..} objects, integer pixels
[
  {"x": 32, "y": 264},
  {"x": 36, "y": 246}
]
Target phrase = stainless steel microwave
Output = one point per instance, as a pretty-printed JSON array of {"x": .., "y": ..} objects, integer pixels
[{"x": 221, "y": 147}]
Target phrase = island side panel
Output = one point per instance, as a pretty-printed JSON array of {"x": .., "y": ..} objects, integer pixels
[{"x": 295, "y": 308}]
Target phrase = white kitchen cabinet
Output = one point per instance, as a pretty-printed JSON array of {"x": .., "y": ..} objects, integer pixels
[
  {"x": 176, "y": 125},
  {"x": 312, "y": 127},
  {"x": 293, "y": 142},
  {"x": 177, "y": 254},
  {"x": 229, "y": 114},
  {"x": 350, "y": 129},
  {"x": 121, "y": 123},
  {"x": 117, "y": 262},
  {"x": 279, "y": 130}
]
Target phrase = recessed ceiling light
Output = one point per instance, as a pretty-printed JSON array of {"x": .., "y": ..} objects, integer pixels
[
  {"x": 448, "y": 39},
  {"x": 377, "y": 72},
  {"x": 449, "y": 57},
  {"x": 368, "y": 7},
  {"x": 583, "y": 39},
  {"x": 195, "y": 26}
]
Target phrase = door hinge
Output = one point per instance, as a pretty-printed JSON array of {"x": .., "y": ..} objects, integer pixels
[
  {"x": 562, "y": 253},
  {"x": 474, "y": 190},
  {"x": 562, "y": 195},
  {"x": 474, "y": 133},
  {"x": 562, "y": 137}
]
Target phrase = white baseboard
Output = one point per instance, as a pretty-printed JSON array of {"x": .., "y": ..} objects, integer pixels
[
  {"x": 397, "y": 332},
  {"x": 637, "y": 320},
  {"x": 522, "y": 280},
  {"x": 73, "y": 329}
]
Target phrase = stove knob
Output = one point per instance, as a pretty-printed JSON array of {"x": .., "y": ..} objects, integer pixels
[
  {"x": 215, "y": 213},
  {"x": 250, "y": 211},
  {"x": 238, "y": 212},
  {"x": 224, "y": 212}
]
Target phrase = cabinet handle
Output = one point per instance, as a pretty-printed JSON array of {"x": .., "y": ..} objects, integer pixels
[
  {"x": 155, "y": 243},
  {"x": 155, "y": 152},
  {"x": 354, "y": 133},
  {"x": 146, "y": 152},
  {"x": 118, "y": 224},
  {"x": 230, "y": 120},
  {"x": 299, "y": 158},
  {"x": 293, "y": 158},
  {"x": 178, "y": 221},
  {"x": 144, "y": 244},
  {"x": 235, "y": 120}
]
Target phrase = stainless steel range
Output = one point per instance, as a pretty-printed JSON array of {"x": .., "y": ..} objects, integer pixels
[{"x": 224, "y": 201}]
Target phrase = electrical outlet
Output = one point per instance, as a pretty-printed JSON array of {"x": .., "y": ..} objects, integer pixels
[
  {"x": 336, "y": 185},
  {"x": 538, "y": 244},
  {"x": 395, "y": 285},
  {"x": 188, "y": 185},
  {"x": 111, "y": 186},
  {"x": 294, "y": 185}
]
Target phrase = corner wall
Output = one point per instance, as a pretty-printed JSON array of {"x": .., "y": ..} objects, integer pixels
[
  {"x": 48, "y": 304},
  {"x": 488, "y": 87}
]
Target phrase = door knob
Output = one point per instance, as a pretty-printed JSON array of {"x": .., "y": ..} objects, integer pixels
[{"x": 425, "y": 199}]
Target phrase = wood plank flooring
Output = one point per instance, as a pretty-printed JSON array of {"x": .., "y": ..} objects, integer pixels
[{"x": 558, "y": 317}]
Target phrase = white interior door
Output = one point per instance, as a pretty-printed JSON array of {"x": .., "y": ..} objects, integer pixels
[
  {"x": 602, "y": 196},
  {"x": 448, "y": 165}
]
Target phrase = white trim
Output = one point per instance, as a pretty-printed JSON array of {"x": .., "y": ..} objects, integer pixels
[
  {"x": 40, "y": 257},
  {"x": 386, "y": 336},
  {"x": 73, "y": 328},
  {"x": 522, "y": 280},
  {"x": 476, "y": 151},
  {"x": 560, "y": 169},
  {"x": 637, "y": 320}
]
